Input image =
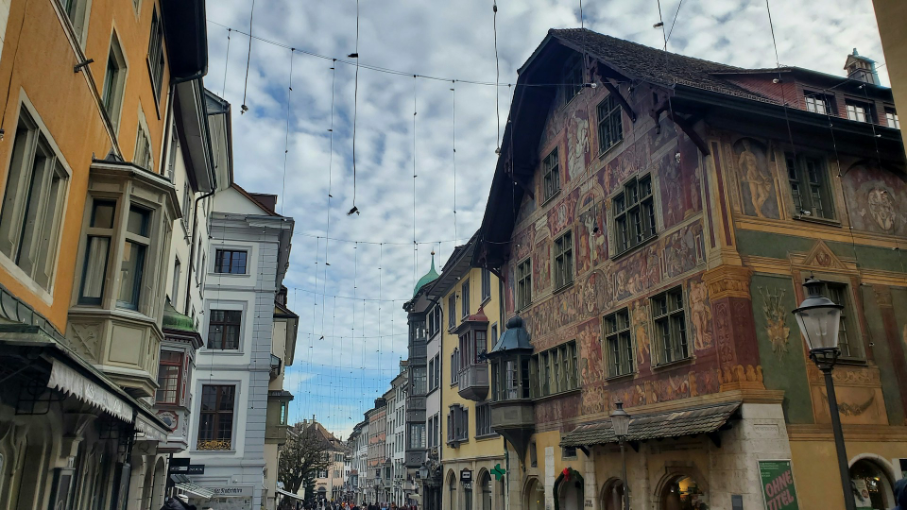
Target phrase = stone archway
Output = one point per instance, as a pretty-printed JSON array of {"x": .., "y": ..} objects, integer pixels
[
  {"x": 450, "y": 491},
  {"x": 681, "y": 487},
  {"x": 872, "y": 480},
  {"x": 533, "y": 495},
  {"x": 612, "y": 495},
  {"x": 568, "y": 490},
  {"x": 159, "y": 484}
]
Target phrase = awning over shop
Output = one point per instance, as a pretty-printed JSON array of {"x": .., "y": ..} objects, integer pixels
[
  {"x": 183, "y": 483},
  {"x": 149, "y": 429},
  {"x": 289, "y": 494},
  {"x": 70, "y": 382},
  {"x": 685, "y": 422}
]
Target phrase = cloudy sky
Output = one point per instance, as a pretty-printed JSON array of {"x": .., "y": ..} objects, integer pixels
[{"x": 351, "y": 289}]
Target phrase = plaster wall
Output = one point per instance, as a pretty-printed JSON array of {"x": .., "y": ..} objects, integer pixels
[{"x": 69, "y": 110}]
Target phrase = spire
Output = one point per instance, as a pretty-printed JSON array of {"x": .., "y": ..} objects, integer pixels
[{"x": 429, "y": 277}]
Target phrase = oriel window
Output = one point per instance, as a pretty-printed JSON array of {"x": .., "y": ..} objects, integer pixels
[{"x": 132, "y": 266}]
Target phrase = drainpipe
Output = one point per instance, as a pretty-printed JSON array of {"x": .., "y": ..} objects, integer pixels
[{"x": 195, "y": 228}]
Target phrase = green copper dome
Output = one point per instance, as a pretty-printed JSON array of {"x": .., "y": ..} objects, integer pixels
[
  {"x": 429, "y": 277},
  {"x": 174, "y": 320}
]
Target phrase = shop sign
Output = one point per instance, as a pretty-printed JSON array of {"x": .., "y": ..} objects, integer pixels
[
  {"x": 778, "y": 485},
  {"x": 233, "y": 491},
  {"x": 466, "y": 475}
]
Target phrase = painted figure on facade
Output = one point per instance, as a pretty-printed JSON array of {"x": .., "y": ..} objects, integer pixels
[
  {"x": 757, "y": 192},
  {"x": 578, "y": 144},
  {"x": 775, "y": 314},
  {"x": 701, "y": 315},
  {"x": 882, "y": 209}
]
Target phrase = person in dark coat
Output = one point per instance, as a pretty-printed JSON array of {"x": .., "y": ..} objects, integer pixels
[
  {"x": 180, "y": 502},
  {"x": 900, "y": 494}
]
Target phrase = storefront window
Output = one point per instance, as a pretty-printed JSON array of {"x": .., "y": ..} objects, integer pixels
[
  {"x": 684, "y": 494},
  {"x": 870, "y": 486}
]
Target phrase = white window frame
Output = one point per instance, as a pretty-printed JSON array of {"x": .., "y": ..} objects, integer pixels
[
  {"x": 45, "y": 293},
  {"x": 115, "y": 108}
]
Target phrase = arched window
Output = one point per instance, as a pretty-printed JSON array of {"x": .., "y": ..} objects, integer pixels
[
  {"x": 871, "y": 486},
  {"x": 485, "y": 485},
  {"x": 534, "y": 496},
  {"x": 452, "y": 492},
  {"x": 683, "y": 492},
  {"x": 612, "y": 495}
]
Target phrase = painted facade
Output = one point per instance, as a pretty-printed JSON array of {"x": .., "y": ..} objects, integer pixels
[{"x": 688, "y": 242}]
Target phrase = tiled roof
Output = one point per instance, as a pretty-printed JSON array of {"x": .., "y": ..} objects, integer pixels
[
  {"x": 688, "y": 422},
  {"x": 652, "y": 64}
]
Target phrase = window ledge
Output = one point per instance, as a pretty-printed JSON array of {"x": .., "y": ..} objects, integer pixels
[
  {"x": 611, "y": 149},
  {"x": 487, "y": 436},
  {"x": 555, "y": 195},
  {"x": 231, "y": 275},
  {"x": 557, "y": 395},
  {"x": 563, "y": 288},
  {"x": 629, "y": 375},
  {"x": 851, "y": 360},
  {"x": 486, "y": 300},
  {"x": 820, "y": 221},
  {"x": 628, "y": 251},
  {"x": 670, "y": 364}
]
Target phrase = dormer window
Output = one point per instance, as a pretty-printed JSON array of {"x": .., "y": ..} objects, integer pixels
[
  {"x": 860, "y": 112},
  {"x": 817, "y": 103}
]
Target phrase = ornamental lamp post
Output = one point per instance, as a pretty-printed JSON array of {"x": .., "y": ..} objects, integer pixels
[
  {"x": 620, "y": 423},
  {"x": 819, "y": 320}
]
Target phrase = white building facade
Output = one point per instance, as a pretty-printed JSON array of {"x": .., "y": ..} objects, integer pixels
[{"x": 250, "y": 249}]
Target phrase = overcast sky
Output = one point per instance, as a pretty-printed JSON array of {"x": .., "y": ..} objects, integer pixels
[{"x": 338, "y": 377}]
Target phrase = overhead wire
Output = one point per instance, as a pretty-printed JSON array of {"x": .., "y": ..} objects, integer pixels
[
  {"x": 243, "y": 107},
  {"x": 497, "y": 75},
  {"x": 226, "y": 62},
  {"x": 355, "y": 55},
  {"x": 287, "y": 137}
]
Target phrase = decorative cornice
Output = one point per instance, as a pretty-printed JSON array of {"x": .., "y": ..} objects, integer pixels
[{"x": 728, "y": 281}]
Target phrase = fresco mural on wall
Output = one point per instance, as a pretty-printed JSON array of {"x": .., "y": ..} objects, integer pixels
[
  {"x": 700, "y": 315},
  {"x": 592, "y": 248},
  {"x": 680, "y": 183},
  {"x": 587, "y": 335},
  {"x": 542, "y": 266},
  {"x": 578, "y": 143},
  {"x": 640, "y": 321},
  {"x": 545, "y": 318},
  {"x": 681, "y": 249},
  {"x": 775, "y": 314},
  {"x": 876, "y": 200},
  {"x": 509, "y": 289},
  {"x": 758, "y": 190},
  {"x": 562, "y": 214}
]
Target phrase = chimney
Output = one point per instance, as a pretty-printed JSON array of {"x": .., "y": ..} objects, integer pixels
[{"x": 861, "y": 68}]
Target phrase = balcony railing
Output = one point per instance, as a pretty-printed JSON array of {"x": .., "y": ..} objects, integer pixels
[{"x": 474, "y": 382}]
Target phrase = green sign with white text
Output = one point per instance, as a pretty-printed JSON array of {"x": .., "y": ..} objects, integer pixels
[{"x": 778, "y": 485}]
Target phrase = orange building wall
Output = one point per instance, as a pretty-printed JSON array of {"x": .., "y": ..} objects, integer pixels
[{"x": 38, "y": 60}]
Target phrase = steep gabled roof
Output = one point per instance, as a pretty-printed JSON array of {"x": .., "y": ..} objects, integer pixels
[{"x": 653, "y": 65}]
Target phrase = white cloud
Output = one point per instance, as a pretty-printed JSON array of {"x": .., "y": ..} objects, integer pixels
[{"x": 452, "y": 40}]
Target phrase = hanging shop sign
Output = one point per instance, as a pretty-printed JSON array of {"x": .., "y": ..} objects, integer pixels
[
  {"x": 778, "y": 485},
  {"x": 466, "y": 475}
]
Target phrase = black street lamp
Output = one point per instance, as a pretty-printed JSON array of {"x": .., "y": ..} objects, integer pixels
[
  {"x": 620, "y": 422},
  {"x": 819, "y": 320}
]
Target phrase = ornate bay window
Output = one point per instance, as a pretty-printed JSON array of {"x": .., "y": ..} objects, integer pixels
[
  {"x": 118, "y": 296},
  {"x": 473, "y": 382},
  {"x": 512, "y": 407}
]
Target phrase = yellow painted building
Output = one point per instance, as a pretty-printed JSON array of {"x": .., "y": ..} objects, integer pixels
[
  {"x": 470, "y": 326},
  {"x": 92, "y": 92}
]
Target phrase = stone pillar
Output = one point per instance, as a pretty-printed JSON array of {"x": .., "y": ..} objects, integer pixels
[
  {"x": 734, "y": 329},
  {"x": 549, "y": 478},
  {"x": 590, "y": 484}
]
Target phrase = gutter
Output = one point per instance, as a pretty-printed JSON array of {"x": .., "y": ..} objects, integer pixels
[{"x": 192, "y": 237}]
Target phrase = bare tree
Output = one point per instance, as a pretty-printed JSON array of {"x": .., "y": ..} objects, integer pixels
[{"x": 303, "y": 457}]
